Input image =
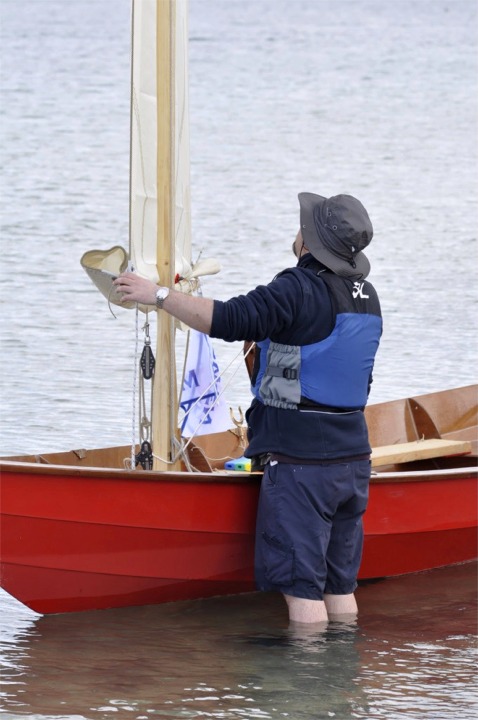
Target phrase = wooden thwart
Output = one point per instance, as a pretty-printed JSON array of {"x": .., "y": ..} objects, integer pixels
[{"x": 418, "y": 450}]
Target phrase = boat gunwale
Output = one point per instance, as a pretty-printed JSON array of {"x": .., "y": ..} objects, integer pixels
[{"x": 39, "y": 468}]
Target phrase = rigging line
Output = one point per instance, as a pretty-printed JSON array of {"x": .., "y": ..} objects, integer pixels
[
  {"x": 183, "y": 375},
  {"x": 220, "y": 459},
  {"x": 220, "y": 394},
  {"x": 135, "y": 382},
  {"x": 215, "y": 381},
  {"x": 111, "y": 290},
  {"x": 184, "y": 446},
  {"x": 144, "y": 419},
  {"x": 173, "y": 411}
]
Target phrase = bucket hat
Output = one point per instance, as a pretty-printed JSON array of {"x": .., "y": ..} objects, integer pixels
[{"x": 336, "y": 230}]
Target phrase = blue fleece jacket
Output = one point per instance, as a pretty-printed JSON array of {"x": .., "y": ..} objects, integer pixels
[{"x": 298, "y": 307}]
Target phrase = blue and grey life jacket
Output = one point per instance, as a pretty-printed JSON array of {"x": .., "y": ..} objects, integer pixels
[{"x": 334, "y": 372}]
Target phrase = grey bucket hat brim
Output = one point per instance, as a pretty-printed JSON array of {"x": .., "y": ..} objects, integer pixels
[{"x": 313, "y": 240}]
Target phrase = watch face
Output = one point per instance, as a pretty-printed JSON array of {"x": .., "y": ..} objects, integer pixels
[{"x": 161, "y": 295}]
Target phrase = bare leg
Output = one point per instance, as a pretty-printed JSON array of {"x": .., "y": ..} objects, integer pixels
[
  {"x": 341, "y": 604},
  {"x": 302, "y": 610}
]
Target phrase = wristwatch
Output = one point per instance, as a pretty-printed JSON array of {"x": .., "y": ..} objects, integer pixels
[{"x": 161, "y": 295}]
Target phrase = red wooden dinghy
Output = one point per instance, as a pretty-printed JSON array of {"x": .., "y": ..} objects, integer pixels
[{"x": 78, "y": 532}]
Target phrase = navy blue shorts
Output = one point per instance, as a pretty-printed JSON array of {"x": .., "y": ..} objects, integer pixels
[{"x": 309, "y": 533}]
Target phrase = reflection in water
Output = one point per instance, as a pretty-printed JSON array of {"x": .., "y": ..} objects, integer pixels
[{"x": 409, "y": 655}]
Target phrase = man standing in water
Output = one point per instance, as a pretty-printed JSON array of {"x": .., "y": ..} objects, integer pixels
[{"x": 317, "y": 327}]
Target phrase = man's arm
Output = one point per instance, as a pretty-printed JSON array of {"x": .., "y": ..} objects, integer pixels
[
  {"x": 266, "y": 310},
  {"x": 196, "y": 312}
]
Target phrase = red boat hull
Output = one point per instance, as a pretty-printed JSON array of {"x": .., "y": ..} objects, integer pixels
[
  {"x": 414, "y": 524},
  {"x": 80, "y": 539}
]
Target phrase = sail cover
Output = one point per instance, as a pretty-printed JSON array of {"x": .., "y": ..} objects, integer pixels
[{"x": 146, "y": 112}]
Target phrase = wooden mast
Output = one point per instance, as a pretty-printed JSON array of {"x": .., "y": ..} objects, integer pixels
[{"x": 164, "y": 393}]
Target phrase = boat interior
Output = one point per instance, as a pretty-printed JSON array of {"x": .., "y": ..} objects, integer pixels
[{"x": 428, "y": 432}]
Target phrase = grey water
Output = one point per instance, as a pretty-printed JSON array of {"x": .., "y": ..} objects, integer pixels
[
  {"x": 410, "y": 656},
  {"x": 377, "y": 98}
]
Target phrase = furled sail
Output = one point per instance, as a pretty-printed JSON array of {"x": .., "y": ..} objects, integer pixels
[
  {"x": 160, "y": 203},
  {"x": 149, "y": 103}
]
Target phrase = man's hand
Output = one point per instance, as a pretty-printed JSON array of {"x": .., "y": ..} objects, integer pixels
[
  {"x": 135, "y": 288},
  {"x": 196, "y": 312}
]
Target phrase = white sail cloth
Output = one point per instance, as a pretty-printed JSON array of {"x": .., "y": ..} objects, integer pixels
[
  {"x": 144, "y": 140},
  {"x": 148, "y": 121},
  {"x": 103, "y": 266}
]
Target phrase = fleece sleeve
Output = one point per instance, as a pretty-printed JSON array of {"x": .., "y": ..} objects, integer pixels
[{"x": 264, "y": 312}]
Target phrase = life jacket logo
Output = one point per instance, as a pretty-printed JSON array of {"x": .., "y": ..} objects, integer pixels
[{"x": 358, "y": 291}]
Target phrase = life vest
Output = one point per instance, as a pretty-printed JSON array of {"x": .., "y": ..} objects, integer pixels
[{"x": 334, "y": 372}]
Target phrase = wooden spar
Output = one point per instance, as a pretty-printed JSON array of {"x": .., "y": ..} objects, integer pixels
[
  {"x": 418, "y": 450},
  {"x": 164, "y": 386}
]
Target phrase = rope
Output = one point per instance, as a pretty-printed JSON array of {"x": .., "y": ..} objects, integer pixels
[
  {"x": 183, "y": 446},
  {"x": 138, "y": 390},
  {"x": 135, "y": 383}
]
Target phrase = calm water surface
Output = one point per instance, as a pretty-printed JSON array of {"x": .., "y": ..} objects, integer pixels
[
  {"x": 411, "y": 655},
  {"x": 373, "y": 97}
]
